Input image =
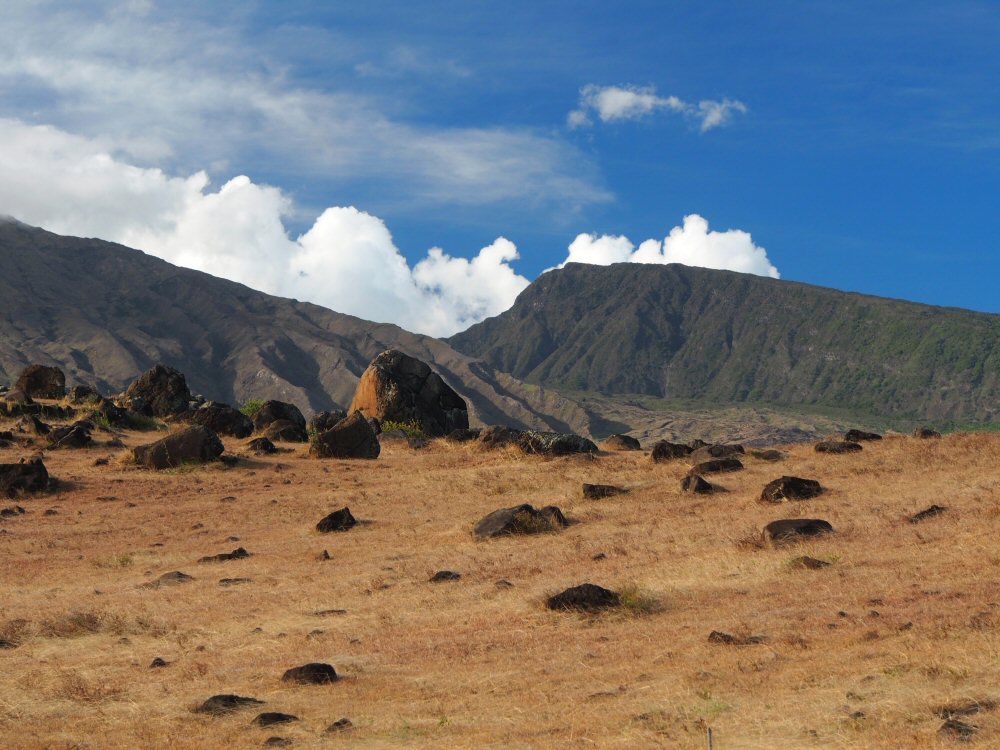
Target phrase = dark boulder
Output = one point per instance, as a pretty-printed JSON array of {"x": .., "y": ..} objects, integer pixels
[
  {"x": 520, "y": 519},
  {"x": 719, "y": 450},
  {"x": 554, "y": 443},
  {"x": 339, "y": 520},
  {"x": 621, "y": 443},
  {"x": 858, "y": 436},
  {"x": 109, "y": 413},
  {"x": 350, "y": 438},
  {"x": 41, "y": 381},
  {"x": 499, "y": 436},
  {"x": 32, "y": 425},
  {"x": 463, "y": 435},
  {"x": 790, "y": 488},
  {"x": 716, "y": 466},
  {"x": 934, "y": 510},
  {"x": 270, "y": 718},
  {"x": 219, "y": 705},
  {"x": 768, "y": 454},
  {"x": 237, "y": 554},
  {"x": 273, "y": 411},
  {"x": 400, "y": 388},
  {"x": 445, "y": 575},
  {"x": 221, "y": 419},
  {"x": 74, "y": 436},
  {"x": 173, "y": 578},
  {"x": 695, "y": 483},
  {"x": 261, "y": 446},
  {"x": 314, "y": 673},
  {"x": 286, "y": 431},
  {"x": 664, "y": 450},
  {"x": 697, "y": 443},
  {"x": 925, "y": 433},
  {"x": 340, "y": 725},
  {"x": 195, "y": 444},
  {"x": 586, "y": 597},
  {"x": 324, "y": 420},
  {"x": 21, "y": 478},
  {"x": 597, "y": 491},
  {"x": 159, "y": 392},
  {"x": 833, "y": 446},
  {"x": 792, "y": 529},
  {"x": 82, "y": 394}
]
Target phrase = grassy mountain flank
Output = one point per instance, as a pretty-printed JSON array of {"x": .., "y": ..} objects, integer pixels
[
  {"x": 104, "y": 313},
  {"x": 677, "y": 332}
]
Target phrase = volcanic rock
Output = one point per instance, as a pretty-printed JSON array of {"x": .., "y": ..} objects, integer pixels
[
  {"x": 286, "y": 431},
  {"x": 597, "y": 491},
  {"x": 41, "y": 381},
  {"x": 445, "y": 575},
  {"x": 270, "y": 718},
  {"x": 350, "y": 438},
  {"x": 664, "y": 450},
  {"x": 858, "y": 436},
  {"x": 621, "y": 443},
  {"x": 159, "y": 392},
  {"x": 696, "y": 484},
  {"x": 221, "y": 419},
  {"x": 237, "y": 554},
  {"x": 586, "y": 597},
  {"x": 790, "y": 488},
  {"x": 262, "y": 445},
  {"x": 23, "y": 477},
  {"x": 339, "y": 520},
  {"x": 32, "y": 425},
  {"x": 716, "y": 465},
  {"x": 400, "y": 388},
  {"x": 219, "y": 705},
  {"x": 324, "y": 420},
  {"x": 273, "y": 411},
  {"x": 792, "y": 529},
  {"x": 833, "y": 446},
  {"x": 934, "y": 510},
  {"x": 463, "y": 435},
  {"x": 195, "y": 444},
  {"x": 708, "y": 452},
  {"x": 520, "y": 519},
  {"x": 925, "y": 433},
  {"x": 314, "y": 673},
  {"x": 81, "y": 394},
  {"x": 75, "y": 436}
]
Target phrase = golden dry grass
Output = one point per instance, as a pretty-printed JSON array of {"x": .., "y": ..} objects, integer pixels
[{"x": 904, "y": 621}]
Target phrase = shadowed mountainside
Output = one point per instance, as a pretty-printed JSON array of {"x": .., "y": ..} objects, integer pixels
[
  {"x": 677, "y": 332},
  {"x": 104, "y": 313}
]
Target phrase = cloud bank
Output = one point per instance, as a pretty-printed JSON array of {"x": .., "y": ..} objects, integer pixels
[
  {"x": 346, "y": 261},
  {"x": 615, "y": 103}
]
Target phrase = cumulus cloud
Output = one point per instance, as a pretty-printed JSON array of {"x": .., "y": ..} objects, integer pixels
[
  {"x": 692, "y": 244},
  {"x": 613, "y": 103}
]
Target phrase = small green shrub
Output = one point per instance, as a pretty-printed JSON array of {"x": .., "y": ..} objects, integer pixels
[
  {"x": 251, "y": 406},
  {"x": 637, "y": 601},
  {"x": 411, "y": 428},
  {"x": 141, "y": 422}
]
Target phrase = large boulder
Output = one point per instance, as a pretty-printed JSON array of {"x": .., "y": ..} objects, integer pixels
[
  {"x": 41, "y": 381},
  {"x": 620, "y": 442},
  {"x": 286, "y": 431},
  {"x": 719, "y": 450},
  {"x": 793, "y": 529},
  {"x": 339, "y": 520},
  {"x": 23, "y": 477},
  {"x": 536, "y": 443},
  {"x": 195, "y": 444},
  {"x": 274, "y": 411},
  {"x": 716, "y": 465},
  {"x": 790, "y": 488},
  {"x": 664, "y": 450},
  {"x": 324, "y": 420},
  {"x": 350, "y": 438},
  {"x": 520, "y": 519},
  {"x": 159, "y": 392},
  {"x": 400, "y": 388},
  {"x": 221, "y": 419}
]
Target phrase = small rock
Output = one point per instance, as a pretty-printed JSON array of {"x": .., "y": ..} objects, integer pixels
[
  {"x": 172, "y": 578},
  {"x": 717, "y": 465},
  {"x": 270, "y": 718},
  {"x": 598, "y": 491},
  {"x": 5, "y": 644},
  {"x": 158, "y": 663},
  {"x": 833, "y": 446},
  {"x": 934, "y": 510},
  {"x": 619, "y": 442},
  {"x": 219, "y": 705},
  {"x": 696, "y": 483},
  {"x": 809, "y": 562},
  {"x": 790, "y": 488},
  {"x": 857, "y": 436},
  {"x": 234, "y": 581},
  {"x": 339, "y": 520},
  {"x": 314, "y": 673},
  {"x": 925, "y": 433},
  {"x": 340, "y": 725},
  {"x": 768, "y": 455},
  {"x": 667, "y": 451},
  {"x": 520, "y": 519},
  {"x": 792, "y": 529},
  {"x": 445, "y": 575},
  {"x": 277, "y": 742},
  {"x": 599, "y": 556},
  {"x": 262, "y": 446},
  {"x": 237, "y": 554},
  {"x": 586, "y": 597},
  {"x": 958, "y": 730}
]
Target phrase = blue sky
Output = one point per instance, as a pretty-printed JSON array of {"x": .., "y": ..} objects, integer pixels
[{"x": 858, "y": 148}]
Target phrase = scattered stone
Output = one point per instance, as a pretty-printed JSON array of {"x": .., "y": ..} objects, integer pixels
[
  {"x": 221, "y": 419},
  {"x": 858, "y": 436},
  {"x": 219, "y": 705},
  {"x": 277, "y": 742},
  {"x": 17, "y": 510},
  {"x": 76, "y": 436},
  {"x": 339, "y": 520},
  {"x": 718, "y": 450},
  {"x": 599, "y": 556},
  {"x": 536, "y": 443},
  {"x": 234, "y": 581},
  {"x": 24, "y": 477},
  {"x": 619, "y": 442},
  {"x": 173, "y": 578},
  {"x": 696, "y": 484},
  {"x": 934, "y": 510},
  {"x": 158, "y": 663},
  {"x": 262, "y": 446},
  {"x": 400, "y": 388},
  {"x": 717, "y": 636},
  {"x": 809, "y": 562},
  {"x": 463, "y": 435},
  {"x": 793, "y": 529},
  {"x": 790, "y": 488},
  {"x": 195, "y": 444},
  {"x": 445, "y": 575},
  {"x": 350, "y": 438},
  {"x": 520, "y": 519},
  {"x": 159, "y": 392},
  {"x": 29, "y": 424},
  {"x": 586, "y": 597},
  {"x": 237, "y": 554},
  {"x": 597, "y": 491},
  {"x": 768, "y": 455},
  {"x": 667, "y": 451},
  {"x": 41, "y": 381},
  {"x": 325, "y": 420},
  {"x": 833, "y": 446},
  {"x": 340, "y": 725},
  {"x": 717, "y": 466},
  {"x": 314, "y": 673},
  {"x": 325, "y": 555},
  {"x": 270, "y": 718},
  {"x": 925, "y": 433}
]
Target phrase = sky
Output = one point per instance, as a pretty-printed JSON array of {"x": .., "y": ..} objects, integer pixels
[{"x": 421, "y": 163}]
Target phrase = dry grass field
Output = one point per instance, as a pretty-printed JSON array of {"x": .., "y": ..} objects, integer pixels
[{"x": 861, "y": 654}]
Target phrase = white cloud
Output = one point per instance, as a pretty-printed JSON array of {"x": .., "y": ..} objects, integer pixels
[
  {"x": 613, "y": 103},
  {"x": 692, "y": 244}
]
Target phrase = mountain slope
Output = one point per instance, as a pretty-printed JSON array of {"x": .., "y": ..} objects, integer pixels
[
  {"x": 692, "y": 333},
  {"x": 104, "y": 313}
]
